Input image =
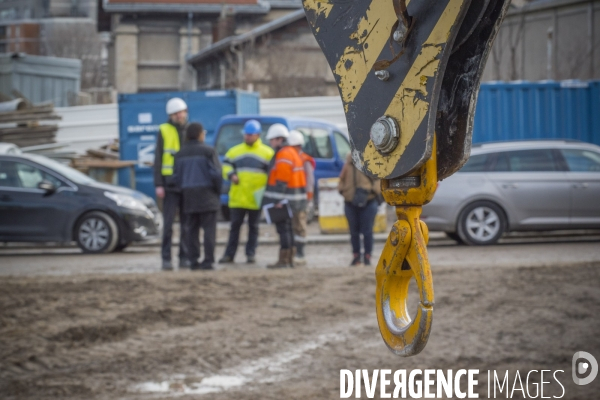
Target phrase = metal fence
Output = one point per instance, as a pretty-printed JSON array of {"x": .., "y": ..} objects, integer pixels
[
  {"x": 40, "y": 79},
  {"x": 505, "y": 111}
]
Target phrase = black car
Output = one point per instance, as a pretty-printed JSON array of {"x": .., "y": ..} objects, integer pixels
[{"x": 42, "y": 200}]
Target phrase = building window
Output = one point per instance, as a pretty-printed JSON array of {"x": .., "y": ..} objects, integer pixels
[{"x": 10, "y": 13}]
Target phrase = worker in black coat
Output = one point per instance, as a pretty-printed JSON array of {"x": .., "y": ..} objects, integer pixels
[{"x": 198, "y": 173}]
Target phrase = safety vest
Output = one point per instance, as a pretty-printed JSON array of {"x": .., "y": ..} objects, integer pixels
[
  {"x": 251, "y": 165},
  {"x": 287, "y": 180},
  {"x": 310, "y": 173},
  {"x": 306, "y": 158},
  {"x": 170, "y": 147}
]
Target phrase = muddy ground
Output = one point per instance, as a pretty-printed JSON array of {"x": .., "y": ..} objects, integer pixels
[{"x": 260, "y": 334}]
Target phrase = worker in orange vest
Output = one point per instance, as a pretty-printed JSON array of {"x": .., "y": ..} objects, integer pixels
[
  {"x": 286, "y": 184},
  {"x": 299, "y": 221}
]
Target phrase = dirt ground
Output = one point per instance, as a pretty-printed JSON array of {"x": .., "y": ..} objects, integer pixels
[{"x": 260, "y": 334}]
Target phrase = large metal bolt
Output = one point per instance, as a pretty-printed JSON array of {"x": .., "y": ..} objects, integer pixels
[
  {"x": 383, "y": 75},
  {"x": 400, "y": 32},
  {"x": 385, "y": 134}
]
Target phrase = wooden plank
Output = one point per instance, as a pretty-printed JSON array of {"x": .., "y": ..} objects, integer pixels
[
  {"x": 29, "y": 142},
  {"x": 102, "y": 154},
  {"x": 36, "y": 109},
  {"x": 46, "y": 137},
  {"x": 91, "y": 163},
  {"x": 24, "y": 130},
  {"x": 26, "y": 117}
]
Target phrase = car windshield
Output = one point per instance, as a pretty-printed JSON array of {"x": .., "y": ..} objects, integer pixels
[
  {"x": 68, "y": 172},
  {"x": 232, "y": 134}
]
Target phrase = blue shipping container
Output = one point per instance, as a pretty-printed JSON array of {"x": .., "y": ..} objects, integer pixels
[
  {"x": 141, "y": 114},
  {"x": 538, "y": 110}
]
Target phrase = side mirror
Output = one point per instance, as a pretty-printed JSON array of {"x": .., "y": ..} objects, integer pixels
[{"x": 47, "y": 186}]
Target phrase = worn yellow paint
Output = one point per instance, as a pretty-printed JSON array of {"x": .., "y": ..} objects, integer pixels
[
  {"x": 419, "y": 195},
  {"x": 408, "y": 106},
  {"x": 393, "y": 283},
  {"x": 320, "y": 7},
  {"x": 371, "y": 35},
  {"x": 407, "y": 241}
]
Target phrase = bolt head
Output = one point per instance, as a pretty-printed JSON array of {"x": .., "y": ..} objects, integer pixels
[
  {"x": 385, "y": 134},
  {"x": 400, "y": 33},
  {"x": 383, "y": 75}
]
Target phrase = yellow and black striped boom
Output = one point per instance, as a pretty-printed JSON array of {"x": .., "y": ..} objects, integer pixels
[{"x": 408, "y": 72}]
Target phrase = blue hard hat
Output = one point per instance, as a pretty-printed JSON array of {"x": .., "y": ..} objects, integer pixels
[{"x": 252, "y": 127}]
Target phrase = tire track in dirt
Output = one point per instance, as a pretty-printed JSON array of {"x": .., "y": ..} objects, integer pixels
[{"x": 274, "y": 368}]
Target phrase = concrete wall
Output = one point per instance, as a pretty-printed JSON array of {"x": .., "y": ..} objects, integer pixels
[
  {"x": 126, "y": 58},
  {"x": 550, "y": 40},
  {"x": 150, "y": 55}
]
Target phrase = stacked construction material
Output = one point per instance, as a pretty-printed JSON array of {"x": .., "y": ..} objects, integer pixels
[
  {"x": 102, "y": 164},
  {"x": 20, "y": 123},
  {"x": 105, "y": 155}
]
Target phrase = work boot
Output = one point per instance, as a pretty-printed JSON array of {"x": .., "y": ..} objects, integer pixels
[
  {"x": 167, "y": 266},
  {"x": 203, "y": 266},
  {"x": 206, "y": 266},
  {"x": 356, "y": 260},
  {"x": 290, "y": 256},
  {"x": 299, "y": 259},
  {"x": 251, "y": 259},
  {"x": 367, "y": 260},
  {"x": 226, "y": 259},
  {"x": 285, "y": 256},
  {"x": 185, "y": 264}
]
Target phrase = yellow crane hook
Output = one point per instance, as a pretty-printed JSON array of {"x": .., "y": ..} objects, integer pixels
[{"x": 403, "y": 258}]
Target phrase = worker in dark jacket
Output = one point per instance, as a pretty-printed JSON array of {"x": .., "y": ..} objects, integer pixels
[
  {"x": 168, "y": 142},
  {"x": 198, "y": 174}
]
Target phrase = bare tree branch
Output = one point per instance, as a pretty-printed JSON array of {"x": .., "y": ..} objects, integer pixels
[{"x": 77, "y": 40}]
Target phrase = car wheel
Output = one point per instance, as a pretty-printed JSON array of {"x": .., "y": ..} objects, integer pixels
[
  {"x": 454, "y": 236},
  {"x": 97, "y": 232},
  {"x": 481, "y": 223}
]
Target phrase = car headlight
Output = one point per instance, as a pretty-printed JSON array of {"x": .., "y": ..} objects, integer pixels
[{"x": 127, "y": 201}]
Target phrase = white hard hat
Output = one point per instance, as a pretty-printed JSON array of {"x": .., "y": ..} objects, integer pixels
[
  {"x": 175, "y": 105},
  {"x": 296, "y": 138},
  {"x": 277, "y": 130}
]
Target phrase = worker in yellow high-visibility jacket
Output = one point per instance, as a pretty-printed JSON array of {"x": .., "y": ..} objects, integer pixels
[
  {"x": 168, "y": 142},
  {"x": 246, "y": 166}
]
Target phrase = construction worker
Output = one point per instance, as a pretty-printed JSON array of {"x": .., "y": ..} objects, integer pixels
[
  {"x": 198, "y": 174},
  {"x": 287, "y": 182},
  {"x": 246, "y": 166},
  {"x": 299, "y": 222},
  {"x": 167, "y": 144}
]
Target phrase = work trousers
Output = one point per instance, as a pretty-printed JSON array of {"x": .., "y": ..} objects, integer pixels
[
  {"x": 208, "y": 222},
  {"x": 237, "y": 216},
  {"x": 172, "y": 202},
  {"x": 286, "y": 234},
  {"x": 299, "y": 227},
  {"x": 360, "y": 221}
]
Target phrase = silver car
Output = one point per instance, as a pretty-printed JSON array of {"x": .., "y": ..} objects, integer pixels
[{"x": 519, "y": 186}]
